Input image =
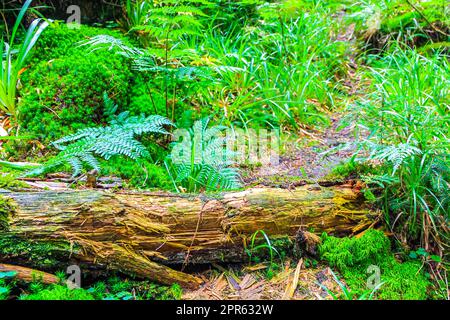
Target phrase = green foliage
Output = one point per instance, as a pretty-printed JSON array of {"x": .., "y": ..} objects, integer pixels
[
  {"x": 41, "y": 254},
  {"x": 349, "y": 294},
  {"x": 116, "y": 288},
  {"x": 145, "y": 98},
  {"x": 284, "y": 64},
  {"x": 7, "y": 209},
  {"x": 345, "y": 253},
  {"x": 63, "y": 89},
  {"x": 140, "y": 174},
  {"x": 353, "y": 256},
  {"x": 170, "y": 76},
  {"x": 407, "y": 116},
  {"x": 261, "y": 246},
  {"x": 166, "y": 20},
  {"x": 256, "y": 246},
  {"x": 202, "y": 161},
  {"x": 12, "y": 60},
  {"x": 58, "y": 292},
  {"x": 9, "y": 181},
  {"x": 422, "y": 24},
  {"x": 277, "y": 71},
  {"x": 349, "y": 169},
  {"x": 119, "y": 138},
  {"x": 5, "y": 284},
  {"x": 135, "y": 13}
]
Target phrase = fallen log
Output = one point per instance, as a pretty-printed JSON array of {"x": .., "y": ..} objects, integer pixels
[
  {"x": 143, "y": 234},
  {"x": 29, "y": 275}
]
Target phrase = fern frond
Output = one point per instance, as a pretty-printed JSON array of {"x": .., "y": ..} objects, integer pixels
[
  {"x": 205, "y": 160},
  {"x": 117, "y": 139},
  {"x": 395, "y": 154}
]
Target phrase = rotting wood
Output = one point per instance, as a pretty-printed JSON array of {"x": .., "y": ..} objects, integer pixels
[
  {"x": 143, "y": 234},
  {"x": 29, "y": 275}
]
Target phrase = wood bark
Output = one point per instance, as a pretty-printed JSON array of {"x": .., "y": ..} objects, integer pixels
[
  {"x": 143, "y": 234},
  {"x": 29, "y": 275}
]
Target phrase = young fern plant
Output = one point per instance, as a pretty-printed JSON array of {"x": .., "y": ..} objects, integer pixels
[
  {"x": 173, "y": 73},
  {"x": 12, "y": 60},
  {"x": 202, "y": 161},
  {"x": 119, "y": 138}
]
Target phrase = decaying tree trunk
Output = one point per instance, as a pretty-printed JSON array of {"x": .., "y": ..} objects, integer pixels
[
  {"x": 144, "y": 233},
  {"x": 29, "y": 275}
]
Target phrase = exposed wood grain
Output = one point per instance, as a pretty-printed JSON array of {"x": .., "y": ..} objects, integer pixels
[{"x": 144, "y": 233}]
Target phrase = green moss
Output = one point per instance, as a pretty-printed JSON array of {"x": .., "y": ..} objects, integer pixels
[
  {"x": 404, "y": 281},
  {"x": 9, "y": 181},
  {"x": 281, "y": 181},
  {"x": 58, "y": 292},
  {"x": 345, "y": 253},
  {"x": 7, "y": 209},
  {"x": 45, "y": 255},
  {"x": 142, "y": 174},
  {"x": 145, "y": 98},
  {"x": 121, "y": 289},
  {"x": 349, "y": 169},
  {"x": 114, "y": 288},
  {"x": 353, "y": 256},
  {"x": 399, "y": 22},
  {"x": 283, "y": 245},
  {"x": 63, "y": 88}
]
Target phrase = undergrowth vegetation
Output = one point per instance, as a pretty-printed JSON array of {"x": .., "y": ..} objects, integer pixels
[
  {"x": 113, "y": 288},
  {"x": 358, "y": 258},
  {"x": 407, "y": 118}
]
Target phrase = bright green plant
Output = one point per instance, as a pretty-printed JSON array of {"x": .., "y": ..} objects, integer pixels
[
  {"x": 12, "y": 60},
  {"x": 266, "y": 245},
  {"x": 176, "y": 72},
  {"x": 348, "y": 294},
  {"x": 407, "y": 117},
  {"x": 135, "y": 14},
  {"x": 353, "y": 256},
  {"x": 116, "y": 288},
  {"x": 118, "y": 138},
  {"x": 142, "y": 174},
  {"x": 58, "y": 292},
  {"x": 386, "y": 23},
  {"x": 5, "y": 285},
  {"x": 260, "y": 244},
  {"x": 160, "y": 26},
  {"x": 284, "y": 67},
  {"x": 63, "y": 89},
  {"x": 202, "y": 161}
]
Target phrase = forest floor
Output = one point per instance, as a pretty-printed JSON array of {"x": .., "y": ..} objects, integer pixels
[
  {"x": 310, "y": 159},
  {"x": 294, "y": 281}
]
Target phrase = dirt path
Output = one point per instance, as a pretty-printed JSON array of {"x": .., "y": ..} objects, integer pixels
[{"x": 307, "y": 159}]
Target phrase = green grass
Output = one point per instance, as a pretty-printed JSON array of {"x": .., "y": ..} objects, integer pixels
[{"x": 406, "y": 114}]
